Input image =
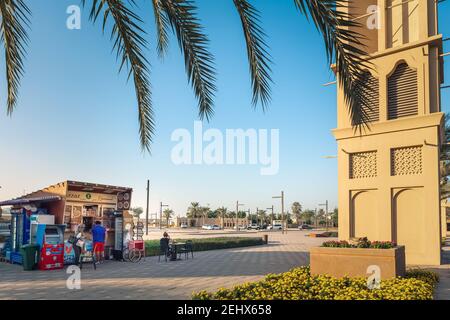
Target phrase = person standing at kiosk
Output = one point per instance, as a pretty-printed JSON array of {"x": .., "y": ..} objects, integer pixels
[{"x": 99, "y": 237}]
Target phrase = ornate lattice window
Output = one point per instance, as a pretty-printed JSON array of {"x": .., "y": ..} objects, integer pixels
[
  {"x": 406, "y": 161},
  {"x": 363, "y": 165}
]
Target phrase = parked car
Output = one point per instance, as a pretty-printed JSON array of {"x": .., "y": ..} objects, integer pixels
[
  {"x": 215, "y": 227},
  {"x": 253, "y": 226},
  {"x": 275, "y": 227},
  {"x": 183, "y": 226},
  {"x": 206, "y": 227},
  {"x": 240, "y": 227},
  {"x": 305, "y": 227}
]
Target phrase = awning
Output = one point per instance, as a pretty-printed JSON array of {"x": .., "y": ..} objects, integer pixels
[{"x": 21, "y": 201}]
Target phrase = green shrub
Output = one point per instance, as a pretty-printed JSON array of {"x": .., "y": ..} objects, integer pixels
[
  {"x": 429, "y": 277},
  {"x": 152, "y": 246},
  {"x": 299, "y": 284}
]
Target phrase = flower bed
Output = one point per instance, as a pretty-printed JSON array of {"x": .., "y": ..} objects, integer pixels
[
  {"x": 299, "y": 284},
  {"x": 152, "y": 246},
  {"x": 361, "y": 243}
]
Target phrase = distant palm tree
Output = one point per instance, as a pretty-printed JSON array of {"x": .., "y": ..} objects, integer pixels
[
  {"x": 137, "y": 212},
  {"x": 222, "y": 211},
  {"x": 297, "y": 210},
  {"x": 204, "y": 213},
  {"x": 193, "y": 210},
  {"x": 167, "y": 214},
  {"x": 261, "y": 215},
  {"x": 180, "y": 17}
]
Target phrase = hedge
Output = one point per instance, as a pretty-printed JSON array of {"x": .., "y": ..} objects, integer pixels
[
  {"x": 152, "y": 246},
  {"x": 299, "y": 284}
]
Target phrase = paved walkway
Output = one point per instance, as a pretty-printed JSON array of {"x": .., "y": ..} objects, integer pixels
[{"x": 151, "y": 279}]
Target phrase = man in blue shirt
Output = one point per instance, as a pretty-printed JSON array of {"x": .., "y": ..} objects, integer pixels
[{"x": 99, "y": 237}]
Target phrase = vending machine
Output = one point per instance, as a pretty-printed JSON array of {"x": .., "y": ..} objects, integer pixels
[
  {"x": 20, "y": 233},
  {"x": 35, "y": 221},
  {"x": 50, "y": 238}
]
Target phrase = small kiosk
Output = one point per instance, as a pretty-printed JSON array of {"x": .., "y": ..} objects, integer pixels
[{"x": 73, "y": 205}]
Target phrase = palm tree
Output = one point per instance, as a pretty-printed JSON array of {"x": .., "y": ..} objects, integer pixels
[
  {"x": 222, "y": 211},
  {"x": 180, "y": 17},
  {"x": 167, "y": 214},
  {"x": 308, "y": 216},
  {"x": 137, "y": 212},
  {"x": 194, "y": 210},
  {"x": 297, "y": 210},
  {"x": 261, "y": 215},
  {"x": 204, "y": 213}
]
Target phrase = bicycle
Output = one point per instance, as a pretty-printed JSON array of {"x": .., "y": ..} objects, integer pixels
[{"x": 134, "y": 252}]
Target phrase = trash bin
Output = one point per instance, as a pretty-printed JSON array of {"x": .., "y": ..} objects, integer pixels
[
  {"x": 266, "y": 238},
  {"x": 30, "y": 257}
]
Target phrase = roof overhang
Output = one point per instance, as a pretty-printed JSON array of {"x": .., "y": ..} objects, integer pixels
[
  {"x": 23, "y": 201},
  {"x": 94, "y": 187}
]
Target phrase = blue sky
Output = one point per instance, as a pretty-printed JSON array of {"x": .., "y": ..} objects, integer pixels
[{"x": 77, "y": 117}]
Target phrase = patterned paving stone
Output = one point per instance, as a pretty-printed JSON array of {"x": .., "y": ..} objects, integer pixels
[{"x": 151, "y": 279}]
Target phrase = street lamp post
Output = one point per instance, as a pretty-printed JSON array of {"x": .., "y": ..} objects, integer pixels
[
  {"x": 283, "y": 229},
  {"x": 326, "y": 213},
  {"x": 271, "y": 216},
  {"x": 161, "y": 205},
  {"x": 237, "y": 212}
]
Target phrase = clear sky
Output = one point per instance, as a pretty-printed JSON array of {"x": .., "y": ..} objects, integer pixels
[{"x": 77, "y": 118}]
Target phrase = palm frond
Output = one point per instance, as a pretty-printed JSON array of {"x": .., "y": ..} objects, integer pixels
[
  {"x": 15, "y": 19},
  {"x": 344, "y": 47},
  {"x": 257, "y": 51},
  {"x": 194, "y": 45},
  {"x": 162, "y": 27},
  {"x": 128, "y": 39}
]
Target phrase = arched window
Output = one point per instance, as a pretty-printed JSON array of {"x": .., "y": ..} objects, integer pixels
[
  {"x": 402, "y": 93},
  {"x": 372, "y": 97}
]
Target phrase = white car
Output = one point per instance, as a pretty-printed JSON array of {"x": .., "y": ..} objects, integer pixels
[
  {"x": 215, "y": 227},
  {"x": 183, "y": 226},
  {"x": 207, "y": 227},
  {"x": 275, "y": 227}
]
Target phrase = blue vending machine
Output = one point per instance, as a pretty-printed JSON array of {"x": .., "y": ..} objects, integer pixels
[{"x": 20, "y": 232}]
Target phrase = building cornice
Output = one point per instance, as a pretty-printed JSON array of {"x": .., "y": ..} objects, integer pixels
[{"x": 403, "y": 124}]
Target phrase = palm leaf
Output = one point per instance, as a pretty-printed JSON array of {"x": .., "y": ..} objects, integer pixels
[
  {"x": 128, "y": 39},
  {"x": 194, "y": 45},
  {"x": 343, "y": 47},
  {"x": 15, "y": 19},
  {"x": 162, "y": 27},
  {"x": 258, "y": 56}
]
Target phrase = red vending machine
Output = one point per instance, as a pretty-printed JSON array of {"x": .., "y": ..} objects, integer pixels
[{"x": 50, "y": 237}]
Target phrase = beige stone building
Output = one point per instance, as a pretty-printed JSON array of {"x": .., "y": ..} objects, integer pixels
[
  {"x": 226, "y": 223},
  {"x": 389, "y": 174}
]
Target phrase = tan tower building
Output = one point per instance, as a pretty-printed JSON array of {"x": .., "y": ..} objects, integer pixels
[{"x": 389, "y": 174}]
